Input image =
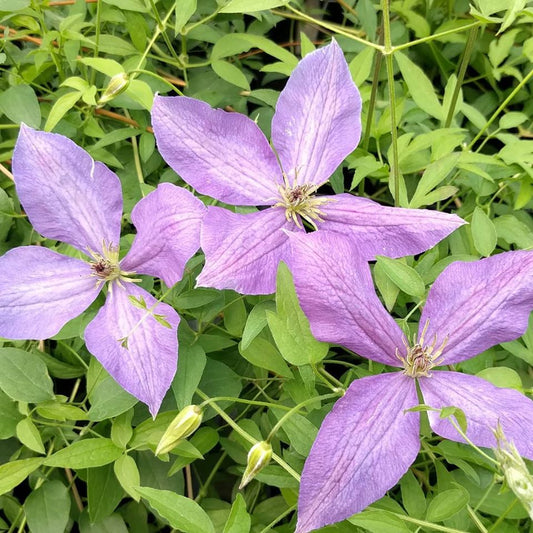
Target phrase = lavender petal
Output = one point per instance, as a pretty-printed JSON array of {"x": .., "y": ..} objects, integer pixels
[
  {"x": 40, "y": 291},
  {"x": 243, "y": 251},
  {"x": 168, "y": 233},
  {"x": 477, "y": 305},
  {"x": 66, "y": 194},
  {"x": 484, "y": 405},
  {"x": 139, "y": 351},
  {"x": 224, "y": 155},
  {"x": 381, "y": 230},
  {"x": 318, "y": 117},
  {"x": 336, "y": 292},
  {"x": 365, "y": 445}
]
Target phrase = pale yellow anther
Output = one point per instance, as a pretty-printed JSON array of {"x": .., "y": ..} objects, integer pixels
[{"x": 420, "y": 359}]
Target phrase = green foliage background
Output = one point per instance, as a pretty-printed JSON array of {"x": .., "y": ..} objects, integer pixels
[{"x": 447, "y": 106}]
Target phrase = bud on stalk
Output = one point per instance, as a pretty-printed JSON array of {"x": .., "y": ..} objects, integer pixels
[
  {"x": 117, "y": 84},
  {"x": 187, "y": 421},
  {"x": 258, "y": 457}
]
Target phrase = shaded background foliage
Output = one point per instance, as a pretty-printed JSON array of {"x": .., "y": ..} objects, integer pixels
[{"x": 446, "y": 90}]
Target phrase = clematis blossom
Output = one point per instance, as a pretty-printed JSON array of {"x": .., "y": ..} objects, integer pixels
[
  {"x": 370, "y": 438},
  {"x": 317, "y": 123},
  {"x": 68, "y": 196}
]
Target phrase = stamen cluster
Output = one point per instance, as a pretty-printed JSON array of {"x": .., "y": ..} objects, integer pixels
[
  {"x": 420, "y": 359},
  {"x": 106, "y": 266},
  {"x": 300, "y": 201}
]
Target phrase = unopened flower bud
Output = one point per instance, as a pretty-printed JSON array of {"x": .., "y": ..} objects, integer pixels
[
  {"x": 258, "y": 457},
  {"x": 187, "y": 421},
  {"x": 117, "y": 84},
  {"x": 516, "y": 473}
]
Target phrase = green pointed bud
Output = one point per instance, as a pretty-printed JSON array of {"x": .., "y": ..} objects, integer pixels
[
  {"x": 117, "y": 84},
  {"x": 187, "y": 421},
  {"x": 258, "y": 457}
]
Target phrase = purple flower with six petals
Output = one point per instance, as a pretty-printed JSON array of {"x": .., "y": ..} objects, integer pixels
[
  {"x": 70, "y": 197},
  {"x": 317, "y": 123},
  {"x": 368, "y": 440}
]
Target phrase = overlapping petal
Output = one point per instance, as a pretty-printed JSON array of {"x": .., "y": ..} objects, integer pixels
[
  {"x": 364, "y": 446},
  {"x": 139, "y": 351},
  {"x": 318, "y": 117},
  {"x": 243, "y": 251},
  {"x": 477, "y": 305},
  {"x": 336, "y": 292},
  {"x": 66, "y": 194},
  {"x": 40, "y": 291},
  {"x": 484, "y": 405},
  {"x": 168, "y": 233},
  {"x": 382, "y": 230},
  {"x": 224, "y": 155}
]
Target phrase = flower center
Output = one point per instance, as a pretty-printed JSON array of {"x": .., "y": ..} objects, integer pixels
[
  {"x": 106, "y": 266},
  {"x": 300, "y": 201},
  {"x": 421, "y": 358}
]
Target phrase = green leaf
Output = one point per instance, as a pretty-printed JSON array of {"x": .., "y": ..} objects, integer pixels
[
  {"x": 502, "y": 376},
  {"x": 15, "y": 472},
  {"x": 24, "y": 377},
  {"x": 109, "y": 67},
  {"x": 86, "y": 453},
  {"x": 47, "y": 508},
  {"x": 121, "y": 430},
  {"x": 236, "y": 43},
  {"x": 433, "y": 175},
  {"x": 235, "y": 317},
  {"x": 388, "y": 289},
  {"x": 262, "y": 353},
  {"x": 29, "y": 435},
  {"x": 419, "y": 86},
  {"x": 250, "y": 6},
  {"x": 300, "y": 432},
  {"x": 60, "y": 107},
  {"x": 230, "y": 73},
  {"x": 239, "y": 521},
  {"x": 483, "y": 232},
  {"x": 60, "y": 411},
  {"x": 361, "y": 65},
  {"x": 109, "y": 399},
  {"x": 191, "y": 364},
  {"x": 290, "y": 327},
  {"x": 131, "y": 5},
  {"x": 19, "y": 104},
  {"x": 104, "y": 492},
  {"x": 256, "y": 322},
  {"x": 9, "y": 416},
  {"x": 379, "y": 521},
  {"x": 519, "y": 350},
  {"x": 128, "y": 475},
  {"x": 447, "y": 503},
  {"x": 184, "y": 11},
  {"x": 403, "y": 276},
  {"x": 181, "y": 513},
  {"x": 413, "y": 498}
]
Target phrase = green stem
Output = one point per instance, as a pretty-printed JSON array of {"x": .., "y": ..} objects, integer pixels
[
  {"x": 373, "y": 97},
  {"x": 454, "y": 423},
  {"x": 279, "y": 518},
  {"x": 294, "y": 410},
  {"x": 428, "y": 525},
  {"x": 475, "y": 519},
  {"x": 163, "y": 32},
  {"x": 501, "y": 518},
  {"x": 203, "y": 490},
  {"x": 461, "y": 74},
  {"x": 190, "y": 27},
  {"x": 437, "y": 36},
  {"x": 96, "y": 37},
  {"x": 245, "y": 435},
  {"x": 503, "y": 105},
  {"x": 328, "y": 26},
  {"x": 387, "y": 52},
  {"x": 242, "y": 400}
]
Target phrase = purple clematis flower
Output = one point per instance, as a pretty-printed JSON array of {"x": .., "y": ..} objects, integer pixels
[
  {"x": 70, "y": 197},
  {"x": 316, "y": 125},
  {"x": 368, "y": 440}
]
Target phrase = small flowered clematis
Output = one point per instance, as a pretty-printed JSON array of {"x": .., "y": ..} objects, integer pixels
[
  {"x": 68, "y": 196},
  {"x": 370, "y": 438},
  {"x": 317, "y": 123}
]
